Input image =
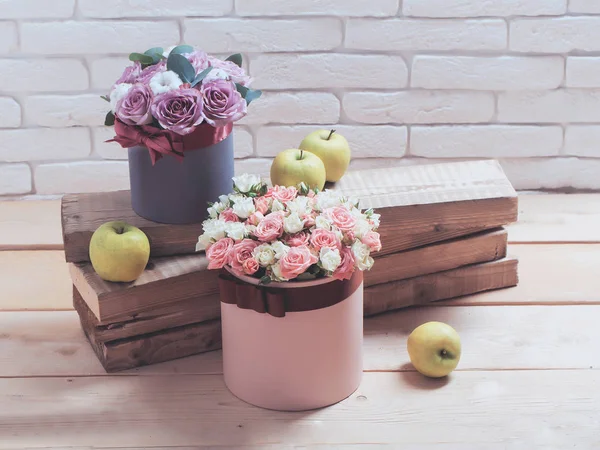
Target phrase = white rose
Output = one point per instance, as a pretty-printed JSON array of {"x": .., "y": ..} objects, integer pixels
[
  {"x": 323, "y": 222},
  {"x": 264, "y": 254},
  {"x": 117, "y": 94},
  {"x": 165, "y": 82},
  {"x": 276, "y": 268},
  {"x": 214, "y": 230},
  {"x": 292, "y": 223},
  {"x": 330, "y": 258},
  {"x": 280, "y": 249},
  {"x": 328, "y": 199},
  {"x": 277, "y": 206},
  {"x": 235, "y": 230},
  {"x": 224, "y": 199},
  {"x": 244, "y": 207},
  {"x": 299, "y": 205},
  {"x": 245, "y": 182},
  {"x": 361, "y": 228},
  {"x": 216, "y": 209},
  {"x": 362, "y": 256},
  {"x": 375, "y": 218}
]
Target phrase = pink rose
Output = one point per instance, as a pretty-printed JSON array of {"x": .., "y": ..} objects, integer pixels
[
  {"x": 255, "y": 218},
  {"x": 223, "y": 104},
  {"x": 130, "y": 74},
  {"x": 218, "y": 253},
  {"x": 240, "y": 252},
  {"x": 341, "y": 218},
  {"x": 262, "y": 204},
  {"x": 309, "y": 220},
  {"x": 372, "y": 240},
  {"x": 134, "y": 107},
  {"x": 229, "y": 216},
  {"x": 324, "y": 238},
  {"x": 199, "y": 60},
  {"x": 147, "y": 74},
  {"x": 296, "y": 261},
  {"x": 297, "y": 239},
  {"x": 284, "y": 194},
  {"x": 270, "y": 228},
  {"x": 235, "y": 73},
  {"x": 250, "y": 266},
  {"x": 346, "y": 268}
]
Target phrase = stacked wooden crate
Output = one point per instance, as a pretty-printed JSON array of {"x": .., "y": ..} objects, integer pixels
[{"x": 441, "y": 229}]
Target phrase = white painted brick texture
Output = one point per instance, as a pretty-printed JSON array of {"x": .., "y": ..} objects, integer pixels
[{"x": 405, "y": 81}]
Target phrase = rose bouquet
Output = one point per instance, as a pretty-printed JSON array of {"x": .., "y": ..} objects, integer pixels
[
  {"x": 165, "y": 96},
  {"x": 277, "y": 233}
]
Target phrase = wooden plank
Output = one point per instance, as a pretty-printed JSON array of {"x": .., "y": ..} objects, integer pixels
[
  {"x": 34, "y": 280},
  {"x": 439, "y": 257},
  {"x": 557, "y": 218},
  {"x": 419, "y": 205},
  {"x": 165, "y": 281},
  {"x": 30, "y": 225},
  {"x": 475, "y": 410},
  {"x": 442, "y": 285}
]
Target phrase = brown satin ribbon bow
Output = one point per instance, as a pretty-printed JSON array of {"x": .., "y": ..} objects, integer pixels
[{"x": 278, "y": 301}]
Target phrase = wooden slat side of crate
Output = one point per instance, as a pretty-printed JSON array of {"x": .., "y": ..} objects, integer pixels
[
  {"x": 183, "y": 313},
  {"x": 438, "y": 257},
  {"x": 419, "y": 205},
  {"x": 453, "y": 283}
]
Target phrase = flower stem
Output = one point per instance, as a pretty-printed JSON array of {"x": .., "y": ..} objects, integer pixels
[{"x": 330, "y": 134}]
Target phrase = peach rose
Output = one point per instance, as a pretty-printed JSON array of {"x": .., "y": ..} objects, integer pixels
[
  {"x": 341, "y": 218},
  {"x": 372, "y": 240},
  {"x": 262, "y": 204},
  {"x": 297, "y": 239},
  {"x": 346, "y": 268},
  {"x": 229, "y": 216},
  {"x": 284, "y": 194},
  {"x": 296, "y": 261},
  {"x": 218, "y": 253},
  {"x": 240, "y": 252},
  {"x": 250, "y": 266},
  {"x": 255, "y": 218},
  {"x": 270, "y": 228},
  {"x": 324, "y": 238}
]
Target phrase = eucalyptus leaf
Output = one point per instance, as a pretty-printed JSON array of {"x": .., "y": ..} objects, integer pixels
[
  {"x": 265, "y": 280},
  {"x": 110, "y": 119},
  {"x": 248, "y": 94},
  {"x": 182, "y": 67},
  {"x": 236, "y": 59},
  {"x": 155, "y": 53},
  {"x": 201, "y": 76},
  {"x": 144, "y": 59},
  {"x": 182, "y": 49},
  {"x": 105, "y": 97}
]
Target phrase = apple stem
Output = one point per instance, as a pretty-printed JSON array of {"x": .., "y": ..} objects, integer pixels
[
  {"x": 330, "y": 134},
  {"x": 301, "y": 154}
]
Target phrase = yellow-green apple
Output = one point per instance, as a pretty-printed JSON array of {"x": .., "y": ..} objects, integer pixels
[
  {"x": 434, "y": 349},
  {"x": 119, "y": 251},
  {"x": 332, "y": 148},
  {"x": 294, "y": 166}
]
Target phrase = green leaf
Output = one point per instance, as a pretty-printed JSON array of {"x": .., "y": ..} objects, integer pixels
[
  {"x": 201, "y": 76},
  {"x": 144, "y": 59},
  {"x": 110, "y": 119},
  {"x": 182, "y": 67},
  {"x": 265, "y": 280},
  {"x": 248, "y": 94},
  {"x": 182, "y": 49},
  {"x": 105, "y": 97},
  {"x": 155, "y": 53},
  {"x": 236, "y": 59}
]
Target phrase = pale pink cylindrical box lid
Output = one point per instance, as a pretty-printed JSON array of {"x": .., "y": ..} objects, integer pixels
[{"x": 305, "y": 360}]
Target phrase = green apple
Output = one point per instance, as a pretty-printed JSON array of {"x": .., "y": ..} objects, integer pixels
[
  {"x": 119, "y": 252},
  {"x": 332, "y": 148},
  {"x": 434, "y": 349},
  {"x": 293, "y": 166}
]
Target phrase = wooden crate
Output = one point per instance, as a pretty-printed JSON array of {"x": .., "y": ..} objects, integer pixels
[{"x": 419, "y": 205}]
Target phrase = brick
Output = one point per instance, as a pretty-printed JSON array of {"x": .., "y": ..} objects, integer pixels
[
  {"x": 487, "y": 141},
  {"x": 418, "y": 106},
  {"x": 553, "y": 173},
  {"x": 36, "y": 9},
  {"x": 584, "y": 6},
  {"x": 414, "y": 34},
  {"x": 259, "y": 166},
  {"x": 487, "y": 73},
  {"x": 357, "y": 8},
  {"x": 15, "y": 179},
  {"x": 583, "y": 140},
  {"x": 559, "y": 106},
  {"x": 583, "y": 72},
  {"x": 83, "y": 176},
  {"x": 10, "y": 113},
  {"x": 555, "y": 35},
  {"x": 8, "y": 37},
  {"x": 264, "y": 35},
  {"x": 38, "y": 75},
  {"x": 105, "y": 71},
  {"x": 365, "y": 141},
  {"x": 243, "y": 142},
  {"x": 65, "y": 110},
  {"x": 293, "y": 107},
  {"x": 482, "y": 8},
  {"x": 153, "y": 8},
  {"x": 44, "y": 144},
  {"x": 100, "y": 37},
  {"x": 328, "y": 70}
]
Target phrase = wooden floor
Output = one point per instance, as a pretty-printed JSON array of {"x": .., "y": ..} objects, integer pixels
[{"x": 529, "y": 377}]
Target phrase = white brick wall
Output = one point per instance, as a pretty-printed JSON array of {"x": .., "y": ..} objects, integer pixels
[{"x": 406, "y": 81}]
